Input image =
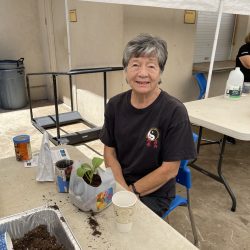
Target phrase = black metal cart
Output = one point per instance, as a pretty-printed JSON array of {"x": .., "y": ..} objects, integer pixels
[{"x": 55, "y": 121}]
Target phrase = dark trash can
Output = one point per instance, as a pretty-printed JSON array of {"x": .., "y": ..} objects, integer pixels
[{"x": 12, "y": 84}]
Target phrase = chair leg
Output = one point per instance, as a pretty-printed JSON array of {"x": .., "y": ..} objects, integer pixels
[
  {"x": 199, "y": 140},
  {"x": 196, "y": 241}
]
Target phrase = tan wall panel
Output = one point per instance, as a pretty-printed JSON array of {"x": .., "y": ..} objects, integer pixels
[
  {"x": 241, "y": 31},
  {"x": 21, "y": 37},
  {"x": 96, "y": 41},
  {"x": 98, "y": 37}
]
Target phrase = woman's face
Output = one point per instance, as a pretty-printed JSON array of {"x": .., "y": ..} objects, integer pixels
[{"x": 143, "y": 74}]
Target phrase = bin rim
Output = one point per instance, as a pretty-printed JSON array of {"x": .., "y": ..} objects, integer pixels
[
  {"x": 11, "y": 63},
  {"x": 8, "y": 61},
  {"x": 20, "y": 60}
]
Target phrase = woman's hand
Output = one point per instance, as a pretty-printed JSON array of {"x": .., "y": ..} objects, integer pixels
[
  {"x": 112, "y": 162},
  {"x": 156, "y": 179}
]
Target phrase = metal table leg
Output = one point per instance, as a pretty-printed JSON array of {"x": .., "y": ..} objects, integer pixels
[
  {"x": 229, "y": 190},
  {"x": 56, "y": 108},
  {"x": 220, "y": 178}
]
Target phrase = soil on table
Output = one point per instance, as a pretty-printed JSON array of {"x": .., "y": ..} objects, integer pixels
[
  {"x": 94, "y": 225},
  {"x": 37, "y": 239}
]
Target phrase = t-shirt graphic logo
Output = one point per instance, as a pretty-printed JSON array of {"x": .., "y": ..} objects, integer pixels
[{"x": 152, "y": 137}]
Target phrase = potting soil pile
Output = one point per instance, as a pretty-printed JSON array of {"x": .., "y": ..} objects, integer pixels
[{"x": 39, "y": 239}]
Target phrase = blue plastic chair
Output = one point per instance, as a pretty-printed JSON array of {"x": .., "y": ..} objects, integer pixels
[
  {"x": 202, "y": 83},
  {"x": 184, "y": 178}
]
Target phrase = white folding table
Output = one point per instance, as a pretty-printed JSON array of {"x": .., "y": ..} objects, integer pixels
[
  {"x": 225, "y": 116},
  {"x": 20, "y": 192}
]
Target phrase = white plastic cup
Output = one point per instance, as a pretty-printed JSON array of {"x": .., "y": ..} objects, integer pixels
[{"x": 124, "y": 208}]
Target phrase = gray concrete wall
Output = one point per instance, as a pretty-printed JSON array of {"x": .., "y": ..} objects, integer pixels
[
  {"x": 37, "y": 31},
  {"x": 21, "y": 36},
  {"x": 96, "y": 40},
  {"x": 242, "y": 28},
  {"x": 99, "y": 36}
]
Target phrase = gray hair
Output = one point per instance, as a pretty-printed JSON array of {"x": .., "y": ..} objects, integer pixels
[{"x": 146, "y": 45}]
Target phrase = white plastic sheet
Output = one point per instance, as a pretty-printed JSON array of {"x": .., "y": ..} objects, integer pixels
[{"x": 45, "y": 167}]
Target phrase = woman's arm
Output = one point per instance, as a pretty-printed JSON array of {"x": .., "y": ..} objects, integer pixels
[
  {"x": 245, "y": 60},
  {"x": 112, "y": 162},
  {"x": 154, "y": 180},
  {"x": 149, "y": 183}
]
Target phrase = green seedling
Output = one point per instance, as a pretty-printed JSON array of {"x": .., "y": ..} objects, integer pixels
[{"x": 87, "y": 171}]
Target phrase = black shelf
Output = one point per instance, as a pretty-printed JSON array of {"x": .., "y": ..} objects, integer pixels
[{"x": 57, "y": 120}]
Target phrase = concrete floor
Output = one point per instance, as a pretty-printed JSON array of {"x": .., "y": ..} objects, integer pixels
[{"x": 217, "y": 226}]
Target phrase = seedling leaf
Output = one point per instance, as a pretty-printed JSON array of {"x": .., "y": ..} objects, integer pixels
[
  {"x": 80, "y": 172},
  {"x": 86, "y": 166},
  {"x": 88, "y": 171},
  {"x": 96, "y": 162}
]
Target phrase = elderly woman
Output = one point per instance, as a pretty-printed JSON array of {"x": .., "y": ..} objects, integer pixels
[
  {"x": 146, "y": 131},
  {"x": 243, "y": 61}
]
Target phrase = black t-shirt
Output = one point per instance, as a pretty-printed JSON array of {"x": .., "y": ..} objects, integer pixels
[
  {"x": 144, "y": 138},
  {"x": 244, "y": 51}
]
